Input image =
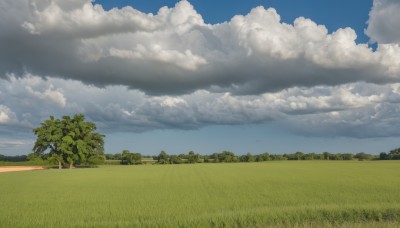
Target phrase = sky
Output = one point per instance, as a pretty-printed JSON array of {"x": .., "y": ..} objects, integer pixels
[{"x": 255, "y": 76}]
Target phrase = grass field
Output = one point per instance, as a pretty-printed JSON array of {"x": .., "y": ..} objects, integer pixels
[{"x": 302, "y": 193}]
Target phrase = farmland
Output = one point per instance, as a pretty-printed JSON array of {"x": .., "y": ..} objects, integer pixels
[{"x": 281, "y": 193}]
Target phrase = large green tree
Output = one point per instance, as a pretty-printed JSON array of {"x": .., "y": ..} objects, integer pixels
[{"x": 69, "y": 140}]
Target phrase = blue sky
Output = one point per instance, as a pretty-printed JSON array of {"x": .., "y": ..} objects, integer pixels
[
  {"x": 332, "y": 14},
  {"x": 197, "y": 76}
]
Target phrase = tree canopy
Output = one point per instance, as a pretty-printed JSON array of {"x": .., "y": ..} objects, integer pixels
[
  {"x": 69, "y": 140},
  {"x": 128, "y": 158}
]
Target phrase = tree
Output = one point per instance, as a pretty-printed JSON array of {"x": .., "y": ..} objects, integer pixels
[
  {"x": 309, "y": 156},
  {"x": 193, "y": 158},
  {"x": 347, "y": 156},
  {"x": 247, "y": 158},
  {"x": 129, "y": 158},
  {"x": 175, "y": 159},
  {"x": 298, "y": 155},
  {"x": 394, "y": 154},
  {"x": 17, "y": 158},
  {"x": 117, "y": 156},
  {"x": 163, "y": 158},
  {"x": 326, "y": 155},
  {"x": 227, "y": 156},
  {"x": 384, "y": 156},
  {"x": 125, "y": 157},
  {"x": 69, "y": 140},
  {"x": 36, "y": 158},
  {"x": 363, "y": 156},
  {"x": 215, "y": 157},
  {"x": 263, "y": 157}
]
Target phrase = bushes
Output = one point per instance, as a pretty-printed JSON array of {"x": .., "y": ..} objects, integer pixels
[{"x": 129, "y": 158}]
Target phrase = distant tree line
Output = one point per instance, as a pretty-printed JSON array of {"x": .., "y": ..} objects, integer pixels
[
  {"x": 128, "y": 158},
  {"x": 392, "y": 155},
  {"x": 17, "y": 158}
]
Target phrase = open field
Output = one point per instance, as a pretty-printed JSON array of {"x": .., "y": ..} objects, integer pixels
[{"x": 297, "y": 193}]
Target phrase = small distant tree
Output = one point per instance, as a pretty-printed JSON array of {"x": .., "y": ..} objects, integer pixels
[
  {"x": 363, "y": 156},
  {"x": 384, "y": 156},
  {"x": 215, "y": 157},
  {"x": 192, "y": 157},
  {"x": 309, "y": 156},
  {"x": 259, "y": 158},
  {"x": 327, "y": 155},
  {"x": 129, "y": 158},
  {"x": 278, "y": 157},
  {"x": 227, "y": 156},
  {"x": 137, "y": 158},
  {"x": 163, "y": 158},
  {"x": 124, "y": 157},
  {"x": 109, "y": 156},
  {"x": 394, "y": 154},
  {"x": 348, "y": 156},
  {"x": 263, "y": 157},
  {"x": 298, "y": 156},
  {"x": 247, "y": 158},
  {"x": 117, "y": 156},
  {"x": 337, "y": 157},
  {"x": 175, "y": 159},
  {"x": 333, "y": 157}
]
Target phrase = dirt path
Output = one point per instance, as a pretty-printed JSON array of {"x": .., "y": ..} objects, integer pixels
[{"x": 18, "y": 168}]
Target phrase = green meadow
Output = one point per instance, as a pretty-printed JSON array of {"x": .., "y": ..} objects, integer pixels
[{"x": 285, "y": 194}]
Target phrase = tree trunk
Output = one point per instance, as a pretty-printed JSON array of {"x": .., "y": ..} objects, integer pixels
[
  {"x": 59, "y": 164},
  {"x": 71, "y": 165}
]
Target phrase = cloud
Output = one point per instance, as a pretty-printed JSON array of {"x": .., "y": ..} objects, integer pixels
[
  {"x": 15, "y": 143},
  {"x": 370, "y": 111},
  {"x": 49, "y": 94},
  {"x": 384, "y": 22},
  {"x": 6, "y": 115},
  {"x": 174, "y": 52},
  {"x": 82, "y": 19},
  {"x": 186, "y": 60},
  {"x": 354, "y": 110}
]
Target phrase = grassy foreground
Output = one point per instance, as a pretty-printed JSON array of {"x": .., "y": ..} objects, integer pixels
[{"x": 303, "y": 193}]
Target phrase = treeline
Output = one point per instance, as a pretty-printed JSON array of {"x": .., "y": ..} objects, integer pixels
[
  {"x": 128, "y": 158},
  {"x": 392, "y": 155},
  {"x": 18, "y": 158}
]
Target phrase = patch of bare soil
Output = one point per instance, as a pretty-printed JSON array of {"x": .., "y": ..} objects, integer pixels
[{"x": 19, "y": 168}]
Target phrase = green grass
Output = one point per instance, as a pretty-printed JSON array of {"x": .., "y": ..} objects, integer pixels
[
  {"x": 112, "y": 162},
  {"x": 285, "y": 194}
]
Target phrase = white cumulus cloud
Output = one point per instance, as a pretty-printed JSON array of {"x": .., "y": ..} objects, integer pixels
[
  {"x": 49, "y": 94},
  {"x": 119, "y": 109},
  {"x": 6, "y": 115},
  {"x": 384, "y": 22},
  {"x": 175, "y": 52}
]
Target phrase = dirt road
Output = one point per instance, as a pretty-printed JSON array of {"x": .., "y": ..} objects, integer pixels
[{"x": 18, "y": 168}]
